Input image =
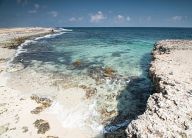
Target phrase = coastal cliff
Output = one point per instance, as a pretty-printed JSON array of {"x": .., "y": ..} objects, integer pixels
[{"x": 169, "y": 110}]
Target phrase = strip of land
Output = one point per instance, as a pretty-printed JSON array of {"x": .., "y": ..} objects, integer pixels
[{"x": 169, "y": 109}]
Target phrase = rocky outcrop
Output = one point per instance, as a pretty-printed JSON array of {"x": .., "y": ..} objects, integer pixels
[{"x": 169, "y": 109}]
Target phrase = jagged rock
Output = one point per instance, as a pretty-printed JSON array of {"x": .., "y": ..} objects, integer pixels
[
  {"x": 168, "y": 111},
  {"x": 101, "y": 75},
  {"x": 42, "y": 126},
  {"x": 43, "y": 104}
]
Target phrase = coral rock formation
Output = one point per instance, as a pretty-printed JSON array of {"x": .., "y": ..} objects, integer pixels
[{"x": 169, "y": 109}]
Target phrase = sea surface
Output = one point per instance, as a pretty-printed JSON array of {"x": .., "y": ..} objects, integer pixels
[{"x": 111, "y": 64}]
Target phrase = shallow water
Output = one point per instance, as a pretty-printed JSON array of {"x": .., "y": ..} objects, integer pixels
[{"x": 81, "y": 58}]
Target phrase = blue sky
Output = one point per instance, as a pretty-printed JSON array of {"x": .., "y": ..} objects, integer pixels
[{"x": 96, "y": 13}]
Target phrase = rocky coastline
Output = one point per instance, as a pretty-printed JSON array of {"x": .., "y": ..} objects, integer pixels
[{"x": 169, "y": 109}]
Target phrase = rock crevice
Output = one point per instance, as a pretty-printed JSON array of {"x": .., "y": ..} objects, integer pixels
[{"x": 169, "y": 108}]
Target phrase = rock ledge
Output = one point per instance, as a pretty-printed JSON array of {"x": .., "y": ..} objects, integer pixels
[{"x": 169, "y": 109}]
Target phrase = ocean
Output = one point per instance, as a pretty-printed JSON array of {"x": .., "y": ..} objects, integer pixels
[{"x": 111, "y": 64}]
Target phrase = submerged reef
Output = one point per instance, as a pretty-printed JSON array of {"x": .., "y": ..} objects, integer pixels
[{"x": 102, "y": 74}]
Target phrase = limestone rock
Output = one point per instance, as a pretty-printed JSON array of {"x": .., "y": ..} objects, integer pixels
[{"x": 168, "y": 111}]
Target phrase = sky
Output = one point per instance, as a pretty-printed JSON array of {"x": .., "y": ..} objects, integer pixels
[{"x": 96, "y": 13}]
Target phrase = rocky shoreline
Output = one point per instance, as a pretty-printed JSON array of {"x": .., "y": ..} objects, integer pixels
[
  {"x": 30, "y": 104},
  {"x": 169, "y": 110}
]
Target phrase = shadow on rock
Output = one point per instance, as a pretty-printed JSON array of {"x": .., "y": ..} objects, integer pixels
[{"x": 131, "y": 101}]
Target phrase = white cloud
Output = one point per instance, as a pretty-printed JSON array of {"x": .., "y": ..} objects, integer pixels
[
  {"x": 35, "y": 9},
  {"x": 99, "y": 16},
  {"x": 36, "y": 6},
  {"x": 120, "y": 18},
  {"x": 128, "y": 18},
  {"x": 53, "y": 13},
  {"x": 177, "y": 18},
  {"x": 74, "y": 19}
]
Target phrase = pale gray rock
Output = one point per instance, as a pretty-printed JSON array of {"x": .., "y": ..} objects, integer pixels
[{"x": 169, "y": 110}]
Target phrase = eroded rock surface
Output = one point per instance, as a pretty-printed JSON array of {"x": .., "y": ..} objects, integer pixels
[
  {"x": 169, "y": 109},
  {"x": 42, "y": 126}
]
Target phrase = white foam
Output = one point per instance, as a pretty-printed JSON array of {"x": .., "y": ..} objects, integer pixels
[
  {"x": 50, "y": 35},
  {"x": 95, "y": 126},
  {"x": 66, "y": 30},
  {"x": 70, "y": 118},
  {"x": 20, "y": 49},
  {"x": 80, "y": 116}
]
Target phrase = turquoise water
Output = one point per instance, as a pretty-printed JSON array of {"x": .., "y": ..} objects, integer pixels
[{"x": 84, "y": 54}]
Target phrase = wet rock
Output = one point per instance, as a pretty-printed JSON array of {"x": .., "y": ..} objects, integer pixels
[
  {"x": 44, "y": 101},
  {"x": 43, "y": 104},
  {"x": 4, "y": 129},
  {"x": 96, "y": 73},
  {"x": 100, "y": 72},
  {"x": 116, "y": 134},
  {"x": 42, "y": 126},
  {"x": 25, "y": 129},
  {"x": 90, "y": 92},
  {"x": 108, "y": 72},
  {"x": 37, "y": 110},
  {"x": 77, "y": 64},
  {"x": 106, "y": 115}
]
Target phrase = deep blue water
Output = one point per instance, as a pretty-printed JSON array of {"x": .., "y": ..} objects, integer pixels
[{"x": 85, "y": 52}]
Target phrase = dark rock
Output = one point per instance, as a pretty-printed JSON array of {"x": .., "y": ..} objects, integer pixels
[
  {"x": 42, "y": 126},
  {"x": 25, "y": 129},
  {"x": 116, "y": 134},
  {"x": 43, "y": 104}
]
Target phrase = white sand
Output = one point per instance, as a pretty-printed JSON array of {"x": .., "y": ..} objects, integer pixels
[{"x": 67, "y": 114}]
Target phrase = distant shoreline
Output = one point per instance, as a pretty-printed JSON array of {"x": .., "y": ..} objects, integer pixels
[{"x": 129, "y": 27}]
